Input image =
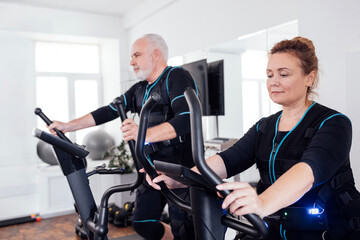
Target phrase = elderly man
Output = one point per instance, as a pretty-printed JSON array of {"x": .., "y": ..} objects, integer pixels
[{"x": 169, "y": 131}]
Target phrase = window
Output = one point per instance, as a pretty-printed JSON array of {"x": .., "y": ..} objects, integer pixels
[
  {"x": 68, "y": 81},
  {"x": 66, "y": 58},
  {"x": 255, "y": 98},
  {"x": 253, "y": 79}
]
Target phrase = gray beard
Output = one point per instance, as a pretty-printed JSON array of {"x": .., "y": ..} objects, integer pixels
[{"x": 142, "y": 75}]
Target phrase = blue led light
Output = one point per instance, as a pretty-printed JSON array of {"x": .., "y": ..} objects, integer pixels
[
  {"x": 313, "y": 211},
  {"x": 266, "y": 224}
]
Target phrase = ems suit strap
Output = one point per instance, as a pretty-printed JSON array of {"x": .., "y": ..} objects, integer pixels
[
  {"x": 354, "y": 224},
  {"x": 166, "y": 109},
  {"x": 165, "y": 96},
  {"x": 334, "y": 183},
  {"x": 150, "y": 148}
]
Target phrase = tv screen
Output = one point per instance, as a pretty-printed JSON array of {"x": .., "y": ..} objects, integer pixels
[
  {"x": 216, "y": 87},
  {"x": 198, "y": 71}
]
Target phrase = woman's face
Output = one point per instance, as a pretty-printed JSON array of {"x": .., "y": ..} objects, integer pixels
[{"x": 286, "y": 83}]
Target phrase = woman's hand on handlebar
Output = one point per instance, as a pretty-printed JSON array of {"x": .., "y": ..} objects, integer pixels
[
  {"x": 243, "y": 199},
  {"x": 149, "y": 180},
  {"x": 169, "y": 182}
]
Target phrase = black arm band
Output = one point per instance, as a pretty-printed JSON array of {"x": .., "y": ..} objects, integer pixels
[{"x": 104, "y": 114}]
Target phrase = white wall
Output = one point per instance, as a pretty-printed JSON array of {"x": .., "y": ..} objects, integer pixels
[
  {"x": 45, "y": 20},
  {"x": 334, "y": 27},
  {"x": 188, "y": 25},
  {"x": 19, "y": 27},
  {"x": 17, "y": 155},
  {"x": 353, "y": 106}
]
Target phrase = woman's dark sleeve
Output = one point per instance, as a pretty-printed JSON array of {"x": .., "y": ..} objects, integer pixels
[
  {"x": 241, "y": 155},
  {"x": 179, "y": 80},
  {"x": 329, "y": 148}
]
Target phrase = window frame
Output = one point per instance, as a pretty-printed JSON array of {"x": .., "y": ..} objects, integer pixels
[{"x": 72, "y": 78}]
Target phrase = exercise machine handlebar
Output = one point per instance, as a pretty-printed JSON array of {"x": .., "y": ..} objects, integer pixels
[
  {"x": 61, "y": 135},
  {"x": 259, "y": 228},
  {"x": 60, "y": 143},
  {"x": 94, "y": 220},
  {"x": 145, "y": 162},
  {"x": 119, "y": 105}
]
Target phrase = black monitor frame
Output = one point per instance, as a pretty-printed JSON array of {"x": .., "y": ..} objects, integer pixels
[
  {"x": 198, "y": 71},
  {"x": 216, "y": 88},
  {"x": 209, "y": 78}
]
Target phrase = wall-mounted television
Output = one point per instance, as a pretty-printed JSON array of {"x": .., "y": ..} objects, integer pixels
[
  {"x": 209, "y": 78},
  {"x": 216, "y": 87},
  {"x": 198, "y": 71}
]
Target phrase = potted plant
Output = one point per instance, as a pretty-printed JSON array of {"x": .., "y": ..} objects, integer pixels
[{"x": 119, "y": 157}]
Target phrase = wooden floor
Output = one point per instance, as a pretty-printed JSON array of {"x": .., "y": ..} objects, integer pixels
[{"x": 53, "y": 229}]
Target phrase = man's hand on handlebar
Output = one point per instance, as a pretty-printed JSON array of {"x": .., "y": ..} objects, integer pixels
[
  {"x": 61, "y": 126},
  {"x": 129, "y": 129},
  {"x": 243, "y": 199},
  {"x": 170, "y": 183}
]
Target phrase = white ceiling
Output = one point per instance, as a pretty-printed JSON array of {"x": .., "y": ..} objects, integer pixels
[{"x": 107, "y": 7}]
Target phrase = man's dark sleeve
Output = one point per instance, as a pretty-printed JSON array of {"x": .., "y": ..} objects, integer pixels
[
  {"x": 104, "y": 114},
  {"x": 179, "y": 80},
  {"x": 241, "y": 155},
  {"x": 109, "y": 112}
]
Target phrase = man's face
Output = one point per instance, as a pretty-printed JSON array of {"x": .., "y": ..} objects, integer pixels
[{"x": 142, "y": 59}]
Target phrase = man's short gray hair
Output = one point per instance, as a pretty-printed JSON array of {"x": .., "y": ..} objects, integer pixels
[{"x": 157, "y": 42}]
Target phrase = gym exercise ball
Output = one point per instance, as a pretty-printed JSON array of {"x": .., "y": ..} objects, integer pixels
[
  {"x": 97, "y": 143},
  {"x": 46, "y": 153}
]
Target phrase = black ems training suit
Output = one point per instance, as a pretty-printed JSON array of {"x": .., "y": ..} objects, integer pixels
[
  {"x": 322, "y": 139},
  {"x": 172, "y": 108}
]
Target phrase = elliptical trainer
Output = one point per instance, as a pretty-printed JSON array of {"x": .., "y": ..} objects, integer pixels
[
  {"x": 205, "y": 205},
  {"x": 71, "y": 159}
]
